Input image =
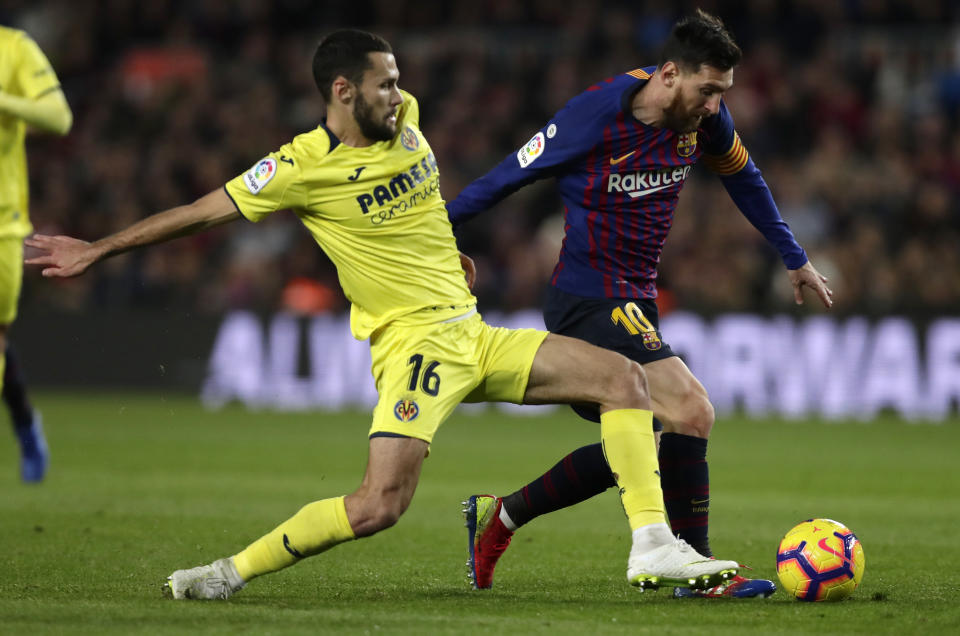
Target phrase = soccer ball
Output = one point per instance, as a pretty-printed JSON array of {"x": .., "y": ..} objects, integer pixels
[{"x": 820, "y": 560}]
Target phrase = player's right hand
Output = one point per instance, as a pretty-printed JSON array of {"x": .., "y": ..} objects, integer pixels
[
  {"x": 469, "y": 269},
  {"x": 62, "y": 256}
]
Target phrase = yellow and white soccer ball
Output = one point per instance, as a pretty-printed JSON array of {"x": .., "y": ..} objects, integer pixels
[{"x": 820, "y": 560}]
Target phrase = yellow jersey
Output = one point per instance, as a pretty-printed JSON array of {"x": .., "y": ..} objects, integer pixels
[
  {"x": 376, "y": 212},
  {"x": 24, "y": 72}
]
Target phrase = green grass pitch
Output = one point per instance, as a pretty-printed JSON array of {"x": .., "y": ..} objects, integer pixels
[{"x": 143, "y": 485}]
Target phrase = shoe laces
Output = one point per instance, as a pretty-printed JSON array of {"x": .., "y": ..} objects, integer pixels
[
  {"x": 684, "y": 547},
  {"x": 220, "y": 586}
]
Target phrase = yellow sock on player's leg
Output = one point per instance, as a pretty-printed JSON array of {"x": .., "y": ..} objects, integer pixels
[
  {"x": 315, "y": 528},
  {"x": 628, "y": 444}
]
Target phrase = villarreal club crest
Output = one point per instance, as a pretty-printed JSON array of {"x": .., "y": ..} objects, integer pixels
[
  {"x": 406, "y": 410},
  {"x": 408, "y": 139}
]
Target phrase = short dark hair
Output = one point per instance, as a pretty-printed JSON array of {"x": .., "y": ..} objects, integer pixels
[
  {"x": 344, "y": 52},
  {"x": 701, "y": 39}
]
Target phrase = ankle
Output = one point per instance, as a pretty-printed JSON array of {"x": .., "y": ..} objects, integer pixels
[
  {"x": 505, "y": 519},
  {"x": 650, "y": 537}
]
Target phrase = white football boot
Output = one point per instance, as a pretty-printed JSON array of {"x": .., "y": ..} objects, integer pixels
[
  {"x": 217, "y": 581},
  {"x": 677, "y": 564}
]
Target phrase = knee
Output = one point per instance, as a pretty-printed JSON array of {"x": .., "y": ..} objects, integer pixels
[
  {"x": 385, "y": 517},
  {"x": 627, "y": 384},
  {"x": 370, "y": 513},
  {"x": 698, "y": 415}
]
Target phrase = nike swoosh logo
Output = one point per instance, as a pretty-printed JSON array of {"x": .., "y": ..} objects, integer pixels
[
  {"x": 643, "y": 193},
  {"x": 823, "y": 545},
  {"x": 615, "y": 161},
  {"x": 292, "y": 550},
  {"x": 697, "y": 502}
]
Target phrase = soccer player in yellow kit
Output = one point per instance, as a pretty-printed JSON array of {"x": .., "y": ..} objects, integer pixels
[
  {"x": 365, "y": 184},
  {"x": 29, "y": 94}
]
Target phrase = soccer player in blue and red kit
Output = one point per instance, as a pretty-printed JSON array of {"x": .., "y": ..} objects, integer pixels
[{"x": 620, "y": 153}]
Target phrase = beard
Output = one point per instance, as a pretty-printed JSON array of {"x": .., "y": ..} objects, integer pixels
[
  {"x": 675, "y": 119},
  {"x": 373, "y": 129}
]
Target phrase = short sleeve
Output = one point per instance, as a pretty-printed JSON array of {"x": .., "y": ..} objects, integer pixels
[
  {"x": 34, "y": 74},
  {"x": 411, "y": 109},
  {"x": 273, "y": 183}
]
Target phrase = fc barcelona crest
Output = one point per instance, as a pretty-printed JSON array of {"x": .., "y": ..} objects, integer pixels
[
  {"x": 406, "y": 410},
  {"x": 409, "y": 139},
  {"x": 651, "y": 342},
  {"x": 687, "y": 144}
]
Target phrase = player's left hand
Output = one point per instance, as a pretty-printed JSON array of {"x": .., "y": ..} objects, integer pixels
[
  {"x": 469, "y": 269},
  {"x": 808, "y": 276}
]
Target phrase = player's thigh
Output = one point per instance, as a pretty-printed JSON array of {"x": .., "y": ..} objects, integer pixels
[
  {"x": 628, "y": 327},
  {"x": 11, "y": 278},
  {"x": 571, "y": 371},
  {"x": 680, "y": 401},
  {"x": 422, "y": 374},
  {"x": 506, "y": 357}
]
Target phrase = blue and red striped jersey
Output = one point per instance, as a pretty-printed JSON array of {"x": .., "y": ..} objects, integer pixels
[{"x": 619, "y": 180}]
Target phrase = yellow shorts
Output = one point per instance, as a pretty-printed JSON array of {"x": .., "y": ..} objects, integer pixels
[
  {"x": 11, "y": 277},
  {"x": 424, "y": 372}
]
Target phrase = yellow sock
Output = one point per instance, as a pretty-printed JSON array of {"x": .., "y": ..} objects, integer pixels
[
  {"x": 628, "y": 444},
  {"x": 315, "y": 528}
]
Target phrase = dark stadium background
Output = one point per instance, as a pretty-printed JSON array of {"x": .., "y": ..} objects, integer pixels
[{"x": 849, "y": 108}]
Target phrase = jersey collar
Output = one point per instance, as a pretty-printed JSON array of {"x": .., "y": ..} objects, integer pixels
[{"x": 334, "y": 140}]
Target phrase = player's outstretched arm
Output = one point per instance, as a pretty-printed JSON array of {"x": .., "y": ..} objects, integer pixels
[
  {"x": 63, "y": 256},
  {"x": 808, "y": 276}
]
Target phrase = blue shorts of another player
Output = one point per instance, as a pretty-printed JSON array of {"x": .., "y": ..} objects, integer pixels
[{"x": 628, "y": 326}]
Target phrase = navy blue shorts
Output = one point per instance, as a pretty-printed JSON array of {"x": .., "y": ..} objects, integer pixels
[{"x": 629, "y": 327}]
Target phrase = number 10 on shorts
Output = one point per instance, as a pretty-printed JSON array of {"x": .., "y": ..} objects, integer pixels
[{"x": 632, "y": 319}]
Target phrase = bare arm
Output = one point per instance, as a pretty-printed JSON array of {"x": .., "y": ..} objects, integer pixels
[
  {"x": 65, "y": 256},
  {"x": 49, "y": 112}
]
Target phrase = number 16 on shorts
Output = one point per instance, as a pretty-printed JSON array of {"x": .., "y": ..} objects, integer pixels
[{"x": 429, "y": 381}]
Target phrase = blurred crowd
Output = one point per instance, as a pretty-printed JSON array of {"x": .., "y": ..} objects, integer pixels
[{"x": 851, "y": 110}]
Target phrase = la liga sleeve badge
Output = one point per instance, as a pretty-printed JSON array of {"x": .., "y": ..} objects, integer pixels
[{"x": 260, "y": 175}]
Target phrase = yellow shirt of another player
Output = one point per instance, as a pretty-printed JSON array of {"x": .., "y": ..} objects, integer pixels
[
  {"x": 25, "y": 72},
  {"x": 376, "y": 212}
]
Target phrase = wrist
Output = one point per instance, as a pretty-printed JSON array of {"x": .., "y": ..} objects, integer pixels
[{"x": 99, "y": 250}]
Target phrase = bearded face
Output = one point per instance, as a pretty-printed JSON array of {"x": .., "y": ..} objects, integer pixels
[
  {"x": 683, "y": 117},
  {"x": 696, "y": 95},
  {"x": 377, "y": 123}
]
